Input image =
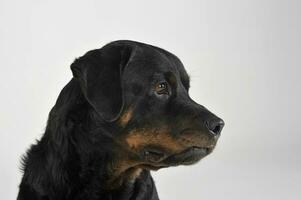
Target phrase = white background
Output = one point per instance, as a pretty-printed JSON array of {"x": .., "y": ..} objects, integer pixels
[{"x": 243, "y": 57}]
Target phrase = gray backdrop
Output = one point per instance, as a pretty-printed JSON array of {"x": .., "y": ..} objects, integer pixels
[{"x": 243, "y": 57}]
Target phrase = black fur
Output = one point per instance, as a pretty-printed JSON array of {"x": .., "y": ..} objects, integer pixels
[{"x": 84, "y": 139}]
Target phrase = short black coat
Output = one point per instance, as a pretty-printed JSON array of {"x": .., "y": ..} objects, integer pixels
[{"x": 104, "y": 134}]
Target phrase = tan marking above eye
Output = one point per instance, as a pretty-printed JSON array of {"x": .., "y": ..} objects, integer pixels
[{"x": 161, "y": 137}]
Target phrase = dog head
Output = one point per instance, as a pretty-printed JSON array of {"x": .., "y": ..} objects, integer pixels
[{"x": 142, "y": 91}]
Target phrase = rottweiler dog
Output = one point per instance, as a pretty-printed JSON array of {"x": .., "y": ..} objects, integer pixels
[{"x": 126, "y": 111}]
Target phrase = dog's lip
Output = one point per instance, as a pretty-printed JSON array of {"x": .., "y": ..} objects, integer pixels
[
  {"x": 188, "y": 156},
  {"x": 153, "y": 155}
]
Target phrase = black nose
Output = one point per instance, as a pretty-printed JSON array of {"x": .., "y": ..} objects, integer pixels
[{"x": 215, "y": 126}]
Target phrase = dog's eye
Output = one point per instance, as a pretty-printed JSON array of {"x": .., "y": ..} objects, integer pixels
[{"x": 162, "y": 88}]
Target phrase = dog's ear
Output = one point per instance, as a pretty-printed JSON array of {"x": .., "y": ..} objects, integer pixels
[{"x": 99, "y": 74}]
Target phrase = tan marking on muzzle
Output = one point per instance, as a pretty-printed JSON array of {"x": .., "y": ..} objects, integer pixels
[{"x": 160, "y": 137}]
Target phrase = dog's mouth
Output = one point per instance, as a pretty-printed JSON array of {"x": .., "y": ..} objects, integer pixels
[
  {"x": 188, "y": 156},
  {"x": 158, "y": 159}
]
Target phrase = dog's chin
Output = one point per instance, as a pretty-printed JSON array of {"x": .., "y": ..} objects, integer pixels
[{"x": 187, "y": 157}]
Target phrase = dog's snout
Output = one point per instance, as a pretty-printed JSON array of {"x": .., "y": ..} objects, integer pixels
[{"x": 215, "y": 126}]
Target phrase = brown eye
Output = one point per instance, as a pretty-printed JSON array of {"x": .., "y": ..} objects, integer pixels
[{"x": 162, "y": 88}]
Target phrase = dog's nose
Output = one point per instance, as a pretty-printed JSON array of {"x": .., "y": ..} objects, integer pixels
[{"x": 215, "y": 126}]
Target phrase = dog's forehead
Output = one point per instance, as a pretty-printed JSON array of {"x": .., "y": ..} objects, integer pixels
[{"x": 148, "y": 61}]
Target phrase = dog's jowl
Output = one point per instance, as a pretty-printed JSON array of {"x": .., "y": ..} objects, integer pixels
[{"x": 125, "y": 112}]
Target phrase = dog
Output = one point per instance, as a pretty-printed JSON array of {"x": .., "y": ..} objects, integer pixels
[{"x": 125, "y": 112}]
